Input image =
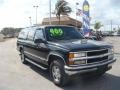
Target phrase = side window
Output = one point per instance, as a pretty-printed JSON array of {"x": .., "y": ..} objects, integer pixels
[
  {"x": 31, "y": 35},
  {"x": 23, "y": 34},
  {"x": 39, "y": 34}
]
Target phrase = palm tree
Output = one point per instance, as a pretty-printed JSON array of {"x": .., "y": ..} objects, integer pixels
[
  {"x": 62, "y": 8},
  {"x": 97, "y": 26}
]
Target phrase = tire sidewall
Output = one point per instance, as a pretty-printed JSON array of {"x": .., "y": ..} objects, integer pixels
[
  {"x": 23, "y": 57},
  {"x": 63, "y": 78}
]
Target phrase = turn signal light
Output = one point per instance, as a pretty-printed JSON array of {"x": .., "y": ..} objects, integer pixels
[{"x": 71, "y": 55}]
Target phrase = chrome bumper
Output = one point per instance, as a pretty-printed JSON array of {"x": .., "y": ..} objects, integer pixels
[{"x": 71, "y": 70}]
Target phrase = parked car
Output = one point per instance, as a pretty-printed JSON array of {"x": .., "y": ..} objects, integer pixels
[
  {"x": 92, "y": 38},
  {"x": 64, "y": 52},
  {"x": 107, "y": 33}
]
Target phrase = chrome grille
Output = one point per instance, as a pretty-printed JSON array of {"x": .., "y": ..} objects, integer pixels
[
  {"x": 97, "y": 53},
  {"x": 97, "y": 59}
]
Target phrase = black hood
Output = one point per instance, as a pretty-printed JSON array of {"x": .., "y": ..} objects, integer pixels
[{"x": 81, "y": 45}]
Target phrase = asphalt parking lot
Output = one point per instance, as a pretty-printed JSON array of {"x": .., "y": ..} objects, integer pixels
[{"x": 16, "y": 76}]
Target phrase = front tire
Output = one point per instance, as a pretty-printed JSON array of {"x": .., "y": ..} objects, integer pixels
[
  {"x": 57, "y": 73},
  {"x": 23, "y": 57}
]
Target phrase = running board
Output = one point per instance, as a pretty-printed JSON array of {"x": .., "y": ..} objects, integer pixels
[{"x": 36, "y": 64}]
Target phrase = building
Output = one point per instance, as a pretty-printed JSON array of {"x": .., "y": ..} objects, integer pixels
[
  {"x": 1, "y": 37},
  {"x": 64, "y": 20}
]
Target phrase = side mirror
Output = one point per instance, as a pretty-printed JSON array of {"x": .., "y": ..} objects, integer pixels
[{"x": 37, "y": 41}]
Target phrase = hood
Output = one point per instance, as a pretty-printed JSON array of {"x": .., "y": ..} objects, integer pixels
[{"x": 81, "y": 45}]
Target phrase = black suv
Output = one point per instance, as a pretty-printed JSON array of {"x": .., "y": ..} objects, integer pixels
[{"x": 64, "y": 51}]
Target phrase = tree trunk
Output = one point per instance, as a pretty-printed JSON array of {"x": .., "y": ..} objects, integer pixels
[{"x": 59, "y": 19}]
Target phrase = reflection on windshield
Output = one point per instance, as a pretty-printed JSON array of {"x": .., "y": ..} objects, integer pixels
[{"x": 62, "y": 33}]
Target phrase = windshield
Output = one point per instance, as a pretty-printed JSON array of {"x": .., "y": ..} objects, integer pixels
[{"x": 62, "y": 33}]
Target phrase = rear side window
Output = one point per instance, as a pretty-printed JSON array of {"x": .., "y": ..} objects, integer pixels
[
  {"x": 23, "y": 34},
  {"x": 31, "y": 34}
]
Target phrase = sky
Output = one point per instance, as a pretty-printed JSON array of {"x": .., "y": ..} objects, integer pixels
[{"x": 16, "y": 13}]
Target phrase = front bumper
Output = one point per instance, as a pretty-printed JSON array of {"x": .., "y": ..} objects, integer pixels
[{"x": 72, "y": 70}]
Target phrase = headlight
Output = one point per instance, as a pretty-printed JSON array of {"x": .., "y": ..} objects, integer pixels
[
  {"x": 82, "y": 54},
  {"x": 77, "y": 55},
  {"x": 111, "y": 51},
  {"x": 73, "y": 56}
]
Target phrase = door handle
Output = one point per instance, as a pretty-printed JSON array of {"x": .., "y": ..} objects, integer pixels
[{"x": 39, "y": 46}]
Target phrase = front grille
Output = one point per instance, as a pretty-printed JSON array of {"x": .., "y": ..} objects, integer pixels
[
  {"x": 97, "y": 59},
  {"x": 97, "y": 53}
]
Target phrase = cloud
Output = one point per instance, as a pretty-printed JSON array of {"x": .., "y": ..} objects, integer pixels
[
  {"x": 1, "y": 1},
  {"x": 15, "y": 13},
  {"x": 115, "y": 3},
  {"x": 105, "y": 11}
]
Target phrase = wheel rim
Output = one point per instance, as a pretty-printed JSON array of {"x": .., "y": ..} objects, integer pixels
[{"x": 56, "y": 73}]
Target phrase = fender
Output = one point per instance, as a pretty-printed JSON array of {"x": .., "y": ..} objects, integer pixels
[
  {"x": 56, "y": 54},
  {"x": 19, "y": 47}
]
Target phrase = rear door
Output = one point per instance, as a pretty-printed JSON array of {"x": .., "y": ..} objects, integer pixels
[{"x": 30, "y": 46}]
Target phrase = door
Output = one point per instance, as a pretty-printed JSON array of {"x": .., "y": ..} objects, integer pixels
[
  {"x": 29, "y": 44},
  {"x": 41, "y": 50}
]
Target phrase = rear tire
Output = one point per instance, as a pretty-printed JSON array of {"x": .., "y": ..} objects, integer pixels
[
  {"x": 23, "y": 57},
  {"x": 57, "y": 73}
]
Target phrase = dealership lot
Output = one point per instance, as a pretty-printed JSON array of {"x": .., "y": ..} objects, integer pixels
[{"x": 16, "y": 76}]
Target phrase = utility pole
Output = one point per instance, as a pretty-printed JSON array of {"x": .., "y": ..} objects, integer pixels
[
  {"x": 30, "y": 21},
  {"x": 111, "y": 24},
  {"x": 50, "y": 12},
  {"x": 36, "y": 7},
  {"x": 76, "y": 11}
]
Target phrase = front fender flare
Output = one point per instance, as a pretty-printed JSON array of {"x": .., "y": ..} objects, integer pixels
[{"x": 56, "y": 54}]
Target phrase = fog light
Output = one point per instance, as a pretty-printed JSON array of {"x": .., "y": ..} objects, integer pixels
[{"x": 80, "y": 62}]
